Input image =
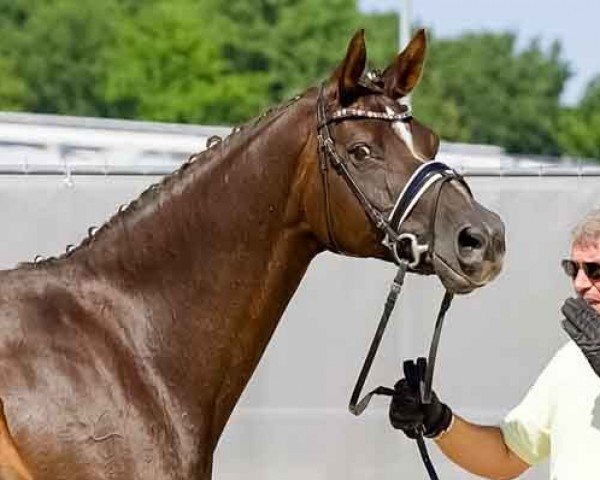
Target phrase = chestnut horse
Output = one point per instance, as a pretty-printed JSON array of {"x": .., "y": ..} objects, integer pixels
[
  {"x": 124, "y": 358},
  {"x": 12, "y": 466}
]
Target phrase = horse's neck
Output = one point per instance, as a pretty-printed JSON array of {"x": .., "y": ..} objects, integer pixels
[{"x": 216, "y": 260}]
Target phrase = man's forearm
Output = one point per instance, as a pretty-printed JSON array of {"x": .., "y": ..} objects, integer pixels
[{"x": 480, "y": 450}]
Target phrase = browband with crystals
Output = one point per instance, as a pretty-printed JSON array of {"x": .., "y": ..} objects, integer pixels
[{"x": 356, "y": 113}]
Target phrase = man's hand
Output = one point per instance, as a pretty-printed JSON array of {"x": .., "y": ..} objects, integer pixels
[
  {"x": 582, "y": 323},
  {"x": 409, "y": 414}
]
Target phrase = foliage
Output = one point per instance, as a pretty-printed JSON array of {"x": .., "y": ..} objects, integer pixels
[
  {"x": 189, "y": 61},
  {"x": 59, "y": 54},
  {"x": 14, "y": 14},
  {"x": 579, "y": 132},
  {"x": 382, "y": 38},
  {"x": 479, "y": 88},
  {"x": 216, "y": 62},
  {"x": 13, "y": 90},
  {"x": 307, "y": 42},
  {"x": 167, "y": 65},
  {"x": 296, "y": 43}
]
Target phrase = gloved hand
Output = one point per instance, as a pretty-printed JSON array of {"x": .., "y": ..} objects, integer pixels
[
  {"x": 582, "y": 323},
  {"x": 409, "y": 414}
]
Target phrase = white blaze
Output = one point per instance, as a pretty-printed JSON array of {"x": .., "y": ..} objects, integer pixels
[{"x": 402, "y": 129}]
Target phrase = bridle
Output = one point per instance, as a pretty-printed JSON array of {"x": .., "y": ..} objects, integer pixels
[{"x": 425, "y": 177}]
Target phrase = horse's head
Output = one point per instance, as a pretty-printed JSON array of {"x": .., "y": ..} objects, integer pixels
[{"x": 369, "y": 148}]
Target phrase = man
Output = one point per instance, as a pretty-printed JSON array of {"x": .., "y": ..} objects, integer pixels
[{"x": 559, "y": 416}]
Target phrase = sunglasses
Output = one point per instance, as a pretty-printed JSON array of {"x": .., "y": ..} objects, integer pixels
[{"x": 591, "y": 269}]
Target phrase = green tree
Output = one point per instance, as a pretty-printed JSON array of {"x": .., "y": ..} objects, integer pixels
[
  {"x": 591, "y": 97},
  {"x": 443, "y": 113},
  {"x": 181, "y": 60},
  {"x": 13, "y": 16},
  {"x": 579, "y": 127},
  {"x": 167, "y": 65},
  {"x": 297, "y": 43},
  {"x": 211, "y": 61},
  {"x": 223, "y": 62},
  {"x": 382, "y": 38},
  {"x": 14, "y": 91},
  {"x": 14, "y": 94},
  {"x": 61, "y": 54},
  {"x": 308, "y": 42},
  {"x": 480, "y": 88}
]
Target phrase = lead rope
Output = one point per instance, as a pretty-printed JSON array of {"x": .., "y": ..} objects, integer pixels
[{"x": 357, "y": 406}]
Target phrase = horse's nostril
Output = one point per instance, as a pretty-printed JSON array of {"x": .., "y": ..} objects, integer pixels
[{"x": 470, "y": 239}]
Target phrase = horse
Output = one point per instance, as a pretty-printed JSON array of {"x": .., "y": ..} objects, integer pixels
[
  {"x": 12, "y": 465},
  {"x": 124, "y": 357}
]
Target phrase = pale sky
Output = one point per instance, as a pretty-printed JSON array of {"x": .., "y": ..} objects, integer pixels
[{"x": 574, "y": 23}]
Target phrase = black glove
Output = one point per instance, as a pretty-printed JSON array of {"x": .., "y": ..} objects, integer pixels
[
  {"x": 582, "y": 323},
  {"x": 407, "y": 411}
]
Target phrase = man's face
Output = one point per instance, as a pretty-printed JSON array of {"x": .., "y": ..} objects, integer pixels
[{"x": 588, "y": 289}]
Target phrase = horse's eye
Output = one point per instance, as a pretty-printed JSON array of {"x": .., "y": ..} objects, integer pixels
[{"x": 361, "y": 152}]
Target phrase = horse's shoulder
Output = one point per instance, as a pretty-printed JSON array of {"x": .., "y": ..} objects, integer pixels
[{"x": 61, "y": 316}]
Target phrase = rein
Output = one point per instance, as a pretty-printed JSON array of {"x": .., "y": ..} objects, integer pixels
[
  {"x": 426, "y": 176},
  {"x": 357, "y": 406}
]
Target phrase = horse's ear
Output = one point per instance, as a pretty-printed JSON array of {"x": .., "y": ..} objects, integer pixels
[
  {"x": 345, "y": 78},
  {"x": 405, "y": 71}
]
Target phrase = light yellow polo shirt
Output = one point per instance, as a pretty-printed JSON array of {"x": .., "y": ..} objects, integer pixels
[{"x": 560, "y": 417}]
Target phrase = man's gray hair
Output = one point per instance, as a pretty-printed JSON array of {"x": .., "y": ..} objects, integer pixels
[{"x": 587, "y": 231}]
